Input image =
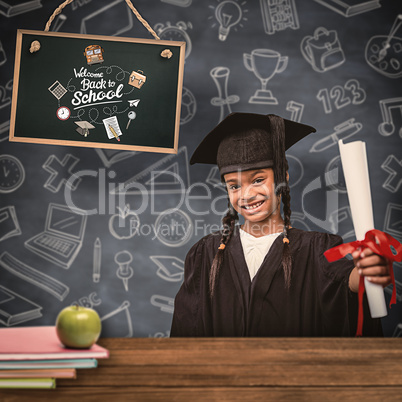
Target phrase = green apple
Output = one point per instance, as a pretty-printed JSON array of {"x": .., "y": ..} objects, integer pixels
[{"x": 78, "y": 327}]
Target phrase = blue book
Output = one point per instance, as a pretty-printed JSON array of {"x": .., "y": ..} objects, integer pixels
[{"x": 48, "y": 364}]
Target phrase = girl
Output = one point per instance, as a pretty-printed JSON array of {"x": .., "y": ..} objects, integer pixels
[{"x": 266, "y": 278}]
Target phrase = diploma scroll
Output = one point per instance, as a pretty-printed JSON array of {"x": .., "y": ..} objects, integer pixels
[{"x": 355, "y": 170}]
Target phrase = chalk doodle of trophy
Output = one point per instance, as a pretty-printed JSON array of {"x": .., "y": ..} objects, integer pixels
[{"x": 94, "y": 97}]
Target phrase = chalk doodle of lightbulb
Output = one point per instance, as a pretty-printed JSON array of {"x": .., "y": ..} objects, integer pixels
[{"x": 229, "y": 14}]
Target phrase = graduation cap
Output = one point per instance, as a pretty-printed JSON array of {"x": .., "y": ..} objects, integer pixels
[
  {"x": 244, "y": 141},
  {"x": 83, "y": 127}
]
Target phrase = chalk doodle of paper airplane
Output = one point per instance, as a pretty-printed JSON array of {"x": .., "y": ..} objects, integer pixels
[
  {"x": 170, "y": 175},
  {"x": 170, "y": 268},
  {"x": 134, "y": 102}
]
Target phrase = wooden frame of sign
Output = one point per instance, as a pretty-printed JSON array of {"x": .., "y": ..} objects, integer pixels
[{"x": 97, "y": 91}]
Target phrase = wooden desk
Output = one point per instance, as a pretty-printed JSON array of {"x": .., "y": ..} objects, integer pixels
[{"x": 277, "y": 369}]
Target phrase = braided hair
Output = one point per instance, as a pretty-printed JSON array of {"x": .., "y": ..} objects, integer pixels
[
  {"x": 228, "y": 221},
  {"x": 286, "y": 253}
]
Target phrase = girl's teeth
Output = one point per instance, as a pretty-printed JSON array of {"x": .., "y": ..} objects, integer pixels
[{"x": 253, "y": 206}]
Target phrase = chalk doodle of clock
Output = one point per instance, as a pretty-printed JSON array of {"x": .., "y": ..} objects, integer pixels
[
  {"x": 106, "y": 92},
  {"x": 174, "y": 228},
  {"x": 12, "y": 173}
]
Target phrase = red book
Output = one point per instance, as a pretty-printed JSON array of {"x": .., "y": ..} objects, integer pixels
[
  {"x": 41, "y": 343},
  {"x": 41, "y": 373}
]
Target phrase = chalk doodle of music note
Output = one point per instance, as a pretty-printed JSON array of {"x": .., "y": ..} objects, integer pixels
[
  {"x": 387, "y": 127},
  {"x": 220, "y": 75},
  {"x": 296, "y": 109}
]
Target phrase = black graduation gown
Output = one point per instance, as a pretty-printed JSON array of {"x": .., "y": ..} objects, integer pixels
[{"x": 318, "y": 302}]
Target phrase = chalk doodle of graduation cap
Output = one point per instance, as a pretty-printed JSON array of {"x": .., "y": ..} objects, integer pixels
[
  {"x": 170, "y": 268},
  {"x": 244, "y": 141}
]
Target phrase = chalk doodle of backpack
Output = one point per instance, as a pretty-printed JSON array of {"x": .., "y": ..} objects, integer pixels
[{"x": 323, "y": 50}]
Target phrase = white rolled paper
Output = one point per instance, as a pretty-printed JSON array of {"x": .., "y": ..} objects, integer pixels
[{"x": 355, "y": 170}]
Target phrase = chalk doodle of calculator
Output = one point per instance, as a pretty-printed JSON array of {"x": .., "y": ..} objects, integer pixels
[
  {"x": 57, "y": 90},
  {"x": 278, "y": 15}
]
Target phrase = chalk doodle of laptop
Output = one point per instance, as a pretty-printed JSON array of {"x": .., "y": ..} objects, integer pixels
[{"x": 62, "y": 238}]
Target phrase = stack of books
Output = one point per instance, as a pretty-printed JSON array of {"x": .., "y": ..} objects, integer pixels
[{"x": 33, "y": 357}]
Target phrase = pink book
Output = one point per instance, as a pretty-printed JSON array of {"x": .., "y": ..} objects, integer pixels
[{"x": 41, "y": 343}]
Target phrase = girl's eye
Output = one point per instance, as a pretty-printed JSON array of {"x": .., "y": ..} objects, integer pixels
[
  {"x": 233, "y": 187},
  {"x": 259, "y": 180}
]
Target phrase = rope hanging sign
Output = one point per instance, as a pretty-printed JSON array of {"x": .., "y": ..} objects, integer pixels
[{"x": 97, "y": 91}]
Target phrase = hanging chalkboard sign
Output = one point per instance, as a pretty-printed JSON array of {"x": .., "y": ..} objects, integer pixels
[{"x": 97, "y": 91}]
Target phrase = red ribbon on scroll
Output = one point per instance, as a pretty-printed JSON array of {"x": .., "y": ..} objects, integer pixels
[{"x": 380, "y": 243}]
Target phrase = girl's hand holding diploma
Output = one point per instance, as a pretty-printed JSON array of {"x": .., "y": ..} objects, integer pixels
[{"x": 370, "y": 265}]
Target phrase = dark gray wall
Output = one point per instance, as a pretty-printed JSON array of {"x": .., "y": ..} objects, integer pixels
[{"x": 343, "y": 94}]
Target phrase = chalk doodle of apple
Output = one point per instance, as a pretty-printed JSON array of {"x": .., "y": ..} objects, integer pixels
[{"x": 125, "y": 224}]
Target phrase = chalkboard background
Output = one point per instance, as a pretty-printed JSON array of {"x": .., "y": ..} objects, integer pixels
[{"x": 131, "y": 273}]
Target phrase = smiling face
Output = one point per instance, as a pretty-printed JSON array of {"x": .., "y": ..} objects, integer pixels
[{"x": 252, "y": 194}]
